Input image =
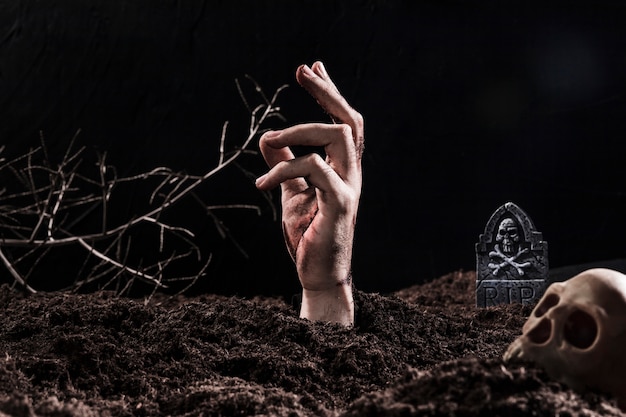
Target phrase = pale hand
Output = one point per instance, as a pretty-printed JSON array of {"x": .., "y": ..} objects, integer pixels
[{"x": 320, "y": 197}]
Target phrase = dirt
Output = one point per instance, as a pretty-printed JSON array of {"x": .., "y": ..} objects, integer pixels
[{"x": 424, "y": 351}]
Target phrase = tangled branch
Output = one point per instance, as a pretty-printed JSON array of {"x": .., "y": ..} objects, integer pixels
[{"x": 45, "y": 207}]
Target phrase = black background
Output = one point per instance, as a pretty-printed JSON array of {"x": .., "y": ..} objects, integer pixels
[{"x": 468, "y": 105}]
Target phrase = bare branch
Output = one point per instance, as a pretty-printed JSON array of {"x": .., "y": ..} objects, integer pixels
[
  {"x": 122, "y": 267},
  {"x": 16, "y": 275},
  {"x": 45, "y": 206},
  {"x": 222, "y": 141}
]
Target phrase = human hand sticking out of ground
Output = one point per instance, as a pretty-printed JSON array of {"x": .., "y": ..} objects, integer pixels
[{"x": 320, "y": 197}]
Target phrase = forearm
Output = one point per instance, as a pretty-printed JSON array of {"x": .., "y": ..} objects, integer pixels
[{"x": 325, "y": 274}]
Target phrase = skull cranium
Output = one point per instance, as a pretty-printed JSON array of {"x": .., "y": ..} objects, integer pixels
[
  {"x": 577, "y": 332},
  {"x": 508, "y": 235}
]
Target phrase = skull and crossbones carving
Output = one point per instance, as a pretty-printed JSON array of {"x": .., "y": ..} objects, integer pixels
[{"x": 508, "y": 236}]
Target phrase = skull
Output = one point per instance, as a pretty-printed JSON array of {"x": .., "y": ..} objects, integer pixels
[
  {"x": 508, "y": 235},
  {"x": 577, "y": 332}
]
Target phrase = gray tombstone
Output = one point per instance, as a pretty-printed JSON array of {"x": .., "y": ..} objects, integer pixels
[{"x": 511, "y": 259}]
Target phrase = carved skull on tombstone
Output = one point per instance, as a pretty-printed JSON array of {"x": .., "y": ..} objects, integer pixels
[
  {"x": 577, "y": 332},
  {"x": 508, "y": 236},
  {"x": 511, "y": 259}
]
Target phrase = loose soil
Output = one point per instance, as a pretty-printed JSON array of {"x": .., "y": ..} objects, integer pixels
[{"x": 423, "y": 351}]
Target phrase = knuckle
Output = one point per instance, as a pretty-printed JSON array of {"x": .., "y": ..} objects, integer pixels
[
  {"x": 315, "y": 159},
  {"x": 319, "y": 164},
  {"x": 359, "y": 139},
  {"x": 358, "y": 120},
  {"x": 345, "y": 130}
]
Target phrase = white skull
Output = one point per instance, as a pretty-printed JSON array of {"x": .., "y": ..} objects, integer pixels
[
  {"x": 508, "y": 235},
  {"x": 577, "y": 332}
]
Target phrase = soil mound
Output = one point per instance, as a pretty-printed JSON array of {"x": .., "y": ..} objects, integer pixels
[{"x": 424, "y": 351}]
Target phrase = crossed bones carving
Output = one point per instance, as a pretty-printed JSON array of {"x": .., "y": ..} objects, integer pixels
[{"x": 507, "y": 260}]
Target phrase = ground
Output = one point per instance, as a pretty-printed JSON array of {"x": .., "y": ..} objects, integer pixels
[{"x": 423, "y": 351}]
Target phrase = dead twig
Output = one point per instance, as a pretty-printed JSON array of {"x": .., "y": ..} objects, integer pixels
[{"x": 46, "y": 207}]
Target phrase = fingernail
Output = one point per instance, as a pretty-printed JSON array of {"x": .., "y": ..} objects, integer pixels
[
  {"x": 271, "y": 134},
  {"x": 308, "y": 71},
  {"x": 322, "y": 69},
  {"x": 259, "y": 181}
]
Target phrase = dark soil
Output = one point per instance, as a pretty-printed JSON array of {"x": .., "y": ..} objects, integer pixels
[{"x": 424, "y": 351}]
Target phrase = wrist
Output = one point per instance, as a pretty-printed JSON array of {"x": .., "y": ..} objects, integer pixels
[{"x": 334, "y": 305}]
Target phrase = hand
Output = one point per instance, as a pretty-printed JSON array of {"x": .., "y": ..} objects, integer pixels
[{"x": 320, "y": 197}]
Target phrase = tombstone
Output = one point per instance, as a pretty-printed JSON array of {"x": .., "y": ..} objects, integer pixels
[{"x": 511, "y": 259}]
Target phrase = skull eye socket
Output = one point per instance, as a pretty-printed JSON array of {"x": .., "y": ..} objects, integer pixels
[
  {"x": 580, "y": 329},
  {"x": 541, "y": 333},
  {"x": 546, "y": 304}
]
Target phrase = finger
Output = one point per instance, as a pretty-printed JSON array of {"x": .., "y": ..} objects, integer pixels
[
  {"x": 271, "y": 153},
  {"x": 319, "y": 84},
  {"x": 275, "y": 155},
  {"x": 314, "y": 169},
  {"x": 336, "y": 140}
]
